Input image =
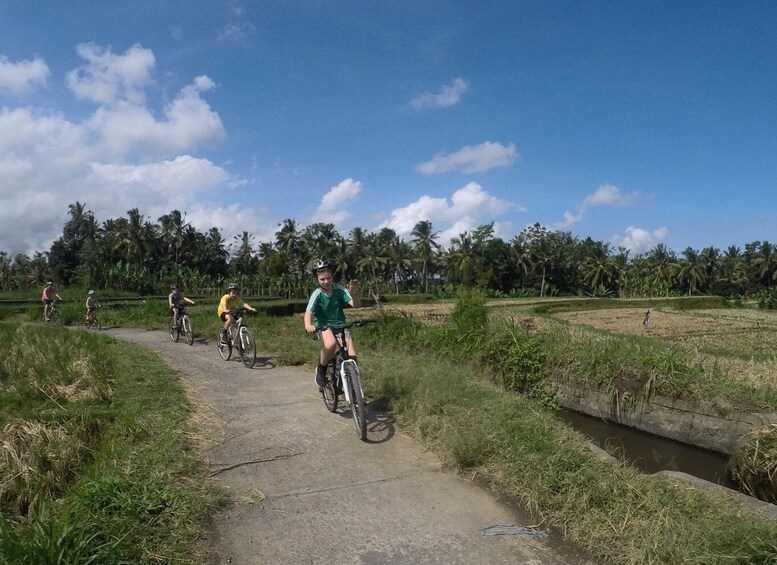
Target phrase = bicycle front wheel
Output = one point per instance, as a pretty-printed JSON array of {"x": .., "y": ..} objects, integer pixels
[
  {"x": 225, "y": 347},
  {"x": 247, "y": 347},
  {"x": 54, "y": 316},
  {"x": 175, "y": 333},
  {"x": 358, "y": 406},
  {"x": 96, "y": 324},
  {"x": 329, "y": 392},
  {"x": 188, "y": 331}
]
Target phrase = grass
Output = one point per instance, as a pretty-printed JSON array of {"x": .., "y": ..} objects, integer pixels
[
  {"x": 96, "y": 464},
  {"x": 434, "y": 381},
  {"x": 515, "y": 444}
]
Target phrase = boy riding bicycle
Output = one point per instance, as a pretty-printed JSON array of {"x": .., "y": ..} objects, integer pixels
[
  {"x": 325, "y": 310},
  {"x": 227, "y": 305},
  {"x": 175, "y": 302}
]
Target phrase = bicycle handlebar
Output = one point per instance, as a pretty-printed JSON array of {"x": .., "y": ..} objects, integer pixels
[{"x": 357, "y": 323}]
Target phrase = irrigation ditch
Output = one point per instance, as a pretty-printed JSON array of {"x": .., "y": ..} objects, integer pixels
[{"x": 663, "y": 435}]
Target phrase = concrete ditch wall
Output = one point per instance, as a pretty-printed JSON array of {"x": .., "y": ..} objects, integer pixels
[{"x": 673, "y": 419}]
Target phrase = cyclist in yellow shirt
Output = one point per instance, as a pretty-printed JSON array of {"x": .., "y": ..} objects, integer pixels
[{"x": 228, "y": 303}]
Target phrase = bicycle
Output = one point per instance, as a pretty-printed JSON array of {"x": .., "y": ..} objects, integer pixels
[
  {"x": 344, "y": 370},
  {"x": 184, "y": 326},
  {"x": 54, "y": 313},
  {"x": 92, "y": 322},
  {"x": 239, "y": 337}
]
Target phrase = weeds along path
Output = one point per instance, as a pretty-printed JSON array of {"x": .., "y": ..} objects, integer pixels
[{"x": 306, "y": 490}]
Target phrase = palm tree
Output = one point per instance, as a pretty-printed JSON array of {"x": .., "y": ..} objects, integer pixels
[
  {"x": 663, "y": 266},
  {"x": 243, "y": 258},
  {"x": 462, "y": 258},
  {"x": 172, "y": 228},
  {"x": 426, "y": 248},
  {"x": 600, "y": 269},
  {"x": 399, "y": 261},
  {"x": 287, "y": 240},
  {"x": 692, "y": 271},
  {"x": 765, "y": 263}
]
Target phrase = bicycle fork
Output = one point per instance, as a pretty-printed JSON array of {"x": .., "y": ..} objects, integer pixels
[{"x": 354, "y": 371}]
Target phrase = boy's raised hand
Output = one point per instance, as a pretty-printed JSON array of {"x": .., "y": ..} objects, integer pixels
[{"x": 352, "y": 286}]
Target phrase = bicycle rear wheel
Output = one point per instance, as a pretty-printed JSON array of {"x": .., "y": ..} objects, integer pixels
[
  {"x": 188, "y": 331},
  {"x": 247, "y": 347},
  {"x": 329, "y": 392},
  {"x": 175, "y": 331},
  {"x": 353, "y": 380},
  {"x": 225, "y": 347}
]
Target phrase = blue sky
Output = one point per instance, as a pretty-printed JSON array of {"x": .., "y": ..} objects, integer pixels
[{"x": 635, "y": 123}]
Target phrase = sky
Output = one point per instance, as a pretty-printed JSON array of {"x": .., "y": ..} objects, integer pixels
[{"x": 634, "y": 123}]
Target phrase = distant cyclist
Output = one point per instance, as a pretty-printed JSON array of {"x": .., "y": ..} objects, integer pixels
[
  {"x": 325, "y": 309},
  {"x": 227, "y": 305},
  {"x": 47, "y": 297},
  {"x": 91, "y": 306},
  {"x": 175, "y": 301}
]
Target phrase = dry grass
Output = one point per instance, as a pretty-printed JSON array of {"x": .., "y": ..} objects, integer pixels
[
  {"x": 741, "y": 342},
  {"x": 36, "y": 461}
]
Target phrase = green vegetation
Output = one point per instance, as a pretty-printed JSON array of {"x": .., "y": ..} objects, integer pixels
[
  {"x": 95, "y": 462},
  {"x": 140, "y": 255},
  {"x": 476, "y": 391}
]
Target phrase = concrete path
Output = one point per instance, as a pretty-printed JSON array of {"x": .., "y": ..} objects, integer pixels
[{"x": 308, "y": 491}]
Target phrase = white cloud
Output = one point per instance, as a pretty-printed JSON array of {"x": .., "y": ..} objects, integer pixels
[
  {"x": 469, "y": 206},
  {"x": 232, "y": 220},
  {"x": 468, "y": 159},
  {"x": 605, "y": 195},
  {"x": 120, "y": 157},
  {"x": 638, "y": 240},
  {"x": 449, "y": 95},
  {"x": 107, "y": 78},
  {"x": 19, "y": 78},
  {"x": 333, "y": 208}
]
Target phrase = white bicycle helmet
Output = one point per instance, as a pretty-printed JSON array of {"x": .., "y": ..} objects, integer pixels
[{"x": 322, "y": 264}]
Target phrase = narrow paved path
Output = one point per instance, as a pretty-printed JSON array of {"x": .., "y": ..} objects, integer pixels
[{"x": 308, "y": 491}]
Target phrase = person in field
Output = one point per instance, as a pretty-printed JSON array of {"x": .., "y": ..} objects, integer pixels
[{"x": 325, "y": 310}]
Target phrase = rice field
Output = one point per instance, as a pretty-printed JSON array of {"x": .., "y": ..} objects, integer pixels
[{"x": 740, "y": 342}]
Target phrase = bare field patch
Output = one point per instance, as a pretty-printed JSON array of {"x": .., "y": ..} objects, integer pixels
[{"x": 743, "y": 343}]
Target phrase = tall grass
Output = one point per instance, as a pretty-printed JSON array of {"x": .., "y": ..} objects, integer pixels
[
  {"x": 515, "y": 444},
  {"x": 95, "y": 464}
]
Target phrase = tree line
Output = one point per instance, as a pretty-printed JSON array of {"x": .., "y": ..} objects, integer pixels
[{"x": 136, "y": 254}]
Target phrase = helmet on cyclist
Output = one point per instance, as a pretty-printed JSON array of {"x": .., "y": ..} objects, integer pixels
[
  {"x": 233, "y": 286},
  {"x": 90, "y": 292},
  {"x": 322, "y": 264},
  {"x": 174, "y": 286},
  {"x": 49, "y": 283}
]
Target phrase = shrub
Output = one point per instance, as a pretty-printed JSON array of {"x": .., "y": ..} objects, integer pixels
[
  {"x": 754, "y": 465},
  {"x": 470, "y": 312}
]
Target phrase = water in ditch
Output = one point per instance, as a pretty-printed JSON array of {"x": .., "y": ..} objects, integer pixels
[{"x": 650, "y": 453}]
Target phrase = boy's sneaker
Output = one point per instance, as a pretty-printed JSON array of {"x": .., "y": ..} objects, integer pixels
[{"x": 320, "y": 376}]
